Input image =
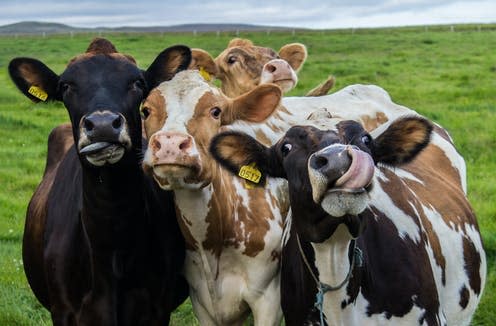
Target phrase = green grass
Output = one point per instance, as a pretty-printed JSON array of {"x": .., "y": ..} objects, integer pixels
[{"x": 450, "y": 77}]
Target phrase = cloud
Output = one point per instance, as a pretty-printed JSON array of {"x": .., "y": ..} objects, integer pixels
[{"x": 297, "y": 13}]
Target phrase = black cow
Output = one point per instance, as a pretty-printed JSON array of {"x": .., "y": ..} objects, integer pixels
[
  {"x": 396, "y": 244},
  {"x": 101, "y": 243}
]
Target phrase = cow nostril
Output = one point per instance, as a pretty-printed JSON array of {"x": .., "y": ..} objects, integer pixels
[
  {"x": 88, "y": 125},
  {"x": 270, "y": 68},
  {"x": 117, "y": 123},
  {"x": 156, "y": 144},
  {"x": 185, "y": 144},
  {"x": 318, "y": 162}
]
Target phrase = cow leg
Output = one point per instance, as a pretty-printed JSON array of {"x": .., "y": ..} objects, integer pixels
[
  {"x": 267, "y": 308},
  {"x": 203, "y": 315}
]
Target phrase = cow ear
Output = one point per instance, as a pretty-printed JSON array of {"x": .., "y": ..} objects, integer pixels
[
  {"x": 235, "y": 150},
  {"x": 403, "y": 139},
  {"x": 34, "y": 79},
  {"x": 167, "y": 64},
  {"x": 295, "y": 54},
  {"x": 254, "y": 106},
  {"x": 202, "y": 60}
]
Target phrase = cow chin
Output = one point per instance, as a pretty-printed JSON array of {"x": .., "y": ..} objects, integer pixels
[
  {"x": 285, "y": 84},
  {"x": 340, "y": 203},
  {"x": 173, "y": 176}
]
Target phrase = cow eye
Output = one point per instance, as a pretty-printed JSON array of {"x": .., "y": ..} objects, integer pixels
[
  {"x": 286, "y": 148},
  {"x": 366, "y": 139},
  {"x": 138, "y": 84},
  {"x": 231, "y": 59},
  {"x": 215, "y": 112},
  {"x": 64, "y": 87},
  {"x": 145, "y": 112}
]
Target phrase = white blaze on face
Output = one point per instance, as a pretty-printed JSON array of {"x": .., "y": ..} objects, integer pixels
[{"x": 181, "y": 98}]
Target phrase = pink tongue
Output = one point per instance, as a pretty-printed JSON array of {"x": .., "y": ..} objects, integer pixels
[{"x": 360, "y": 173}]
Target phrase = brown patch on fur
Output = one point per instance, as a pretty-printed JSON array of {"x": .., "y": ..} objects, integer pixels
[
  {"x": 184, "y": 225},
  {"x": 155, "y": 104},
  {"x": 434, "y": 169},
  {"x": 235, "y": 224},
  {"x": 441, "y": 132},
  {"x": 472, "y": 265},
  {"x": 370, "y": 124},
  {"x": 404, "y": 199},
  {"x": 276, "y": 255},
  {"x": 464, "y": 297}
]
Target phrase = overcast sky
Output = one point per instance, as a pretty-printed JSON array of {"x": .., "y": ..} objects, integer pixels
[{"x": 294, "y": 13}]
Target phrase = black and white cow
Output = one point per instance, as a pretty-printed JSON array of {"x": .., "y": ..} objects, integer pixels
[{"x": 394, "y": 238}]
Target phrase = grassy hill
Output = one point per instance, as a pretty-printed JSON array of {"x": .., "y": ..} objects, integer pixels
[
  {"x": 28, "y": 27},
  {"x": 450, "y": 77}
]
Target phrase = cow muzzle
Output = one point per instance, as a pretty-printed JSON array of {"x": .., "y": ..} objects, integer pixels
[
  {"x": 279, "y": 72},
  {"x": 340, "y": 176},
  {"x": 103, "y": 137},
  {"x": 172, "y": 159}
]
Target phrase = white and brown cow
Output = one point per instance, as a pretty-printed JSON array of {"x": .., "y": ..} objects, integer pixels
[
  {"x": 242, "y": 66},
  {"x": 395, "y": 244},
  {"x": 232, "y": 233}
]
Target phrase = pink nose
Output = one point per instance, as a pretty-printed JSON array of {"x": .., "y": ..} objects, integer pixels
[
  {"x": 169, "y": 147},
  {"x": 279, "y": 68}
]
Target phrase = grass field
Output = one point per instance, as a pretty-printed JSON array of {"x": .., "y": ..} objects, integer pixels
[{"x": 450, "y": 77}]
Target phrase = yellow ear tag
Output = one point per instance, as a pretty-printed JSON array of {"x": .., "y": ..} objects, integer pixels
[
  {"x": 250, "y": 173},
  {"x": 38, "y": 93},
  {"x": 205, "y": 74}
]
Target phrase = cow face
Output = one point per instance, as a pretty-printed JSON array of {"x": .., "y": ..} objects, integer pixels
[
  {"x": 183, "y": 115},
  {"x": 243, "y": 66},
  {"x": 102, "y": 90},
  {"x": 330, "y": 172}
]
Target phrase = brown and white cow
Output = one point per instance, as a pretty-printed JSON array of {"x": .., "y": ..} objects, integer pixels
[
  {"x": 232, "y": 233},
  {"x": 419, "y": 257},
  {"x": 242, "y": 66}
]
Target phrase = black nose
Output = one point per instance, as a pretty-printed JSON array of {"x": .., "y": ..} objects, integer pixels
[
  {"x": 103, "y": 126},
  {"x": 332, "y": 162}
]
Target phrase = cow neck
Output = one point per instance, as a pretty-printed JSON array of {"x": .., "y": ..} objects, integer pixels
[{"x": 112, "y": 212}]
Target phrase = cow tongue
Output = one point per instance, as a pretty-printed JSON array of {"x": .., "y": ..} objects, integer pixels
[{"x": 360, "y": 173}]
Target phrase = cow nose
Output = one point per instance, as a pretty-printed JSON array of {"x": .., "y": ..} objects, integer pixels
[
  {"x": 277, "y": 66},
  {"x": 331, "y": 162},
  {"x": 104, "y": 125},
  {"x": 166, "y": 146}
]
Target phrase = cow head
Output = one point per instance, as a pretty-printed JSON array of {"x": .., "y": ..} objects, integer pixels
[
  {"x": 181, "y": 118},
  {"x": 329, "y": 172},
  {"x": 243, "y": 66},
  {"x": 102, "y": 90}
]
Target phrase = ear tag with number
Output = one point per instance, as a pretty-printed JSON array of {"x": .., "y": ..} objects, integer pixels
[
  {"x": 205, "y": 74},
  {"x": 38, "y": 93},
  {"x": 250, "y": 172}
]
